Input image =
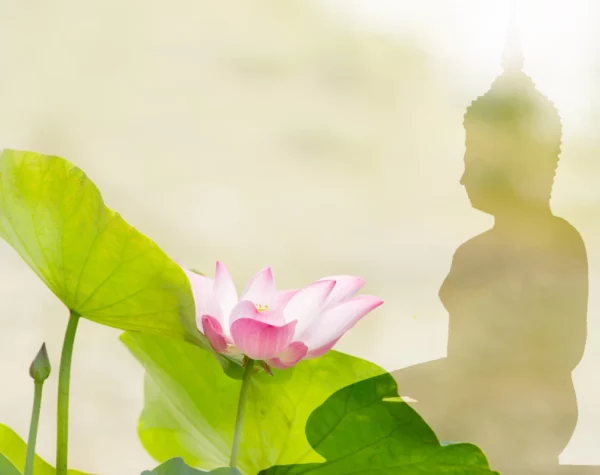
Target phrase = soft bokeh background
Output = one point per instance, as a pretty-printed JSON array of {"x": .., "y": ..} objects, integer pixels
[{"x": 316, "y": 136}]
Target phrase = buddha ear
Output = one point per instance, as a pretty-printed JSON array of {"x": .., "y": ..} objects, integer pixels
[{"x": 534, "y": 183}]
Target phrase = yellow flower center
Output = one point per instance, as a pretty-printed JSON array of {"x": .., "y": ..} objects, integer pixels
[{"x": 261, "y": 307}]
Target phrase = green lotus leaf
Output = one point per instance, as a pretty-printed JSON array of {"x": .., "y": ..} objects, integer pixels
[
  {"x": 98, "y": 265},
  {"x": 367, "y": 429},
  {"x": 177, "y": 466},
  {"x": 190, "y": 405},
  {"x": 7, "y": 468}
]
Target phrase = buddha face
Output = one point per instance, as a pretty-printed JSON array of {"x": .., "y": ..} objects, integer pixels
[
  {"x": 513, "y": 137},
  {"x": 491, "y": 168}
]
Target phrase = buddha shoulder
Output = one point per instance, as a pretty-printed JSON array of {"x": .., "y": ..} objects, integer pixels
[
  {"x": 474, "y": 247},
  {"x": 564, "y": 236}
]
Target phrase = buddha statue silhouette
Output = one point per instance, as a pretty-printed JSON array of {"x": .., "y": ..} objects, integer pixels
[{"x": 516, "y": 294}]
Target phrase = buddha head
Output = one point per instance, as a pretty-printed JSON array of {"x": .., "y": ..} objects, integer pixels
[{"x": 513, "y": 138}]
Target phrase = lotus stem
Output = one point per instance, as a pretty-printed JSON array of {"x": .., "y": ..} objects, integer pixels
[{"x": 237, "y": 434}]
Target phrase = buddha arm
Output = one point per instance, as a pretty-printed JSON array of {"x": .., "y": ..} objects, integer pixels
[
  {"x": 533, "y": 319},
  {"x": 550, "y": 329},
  {"x": 563, "y": 331}
]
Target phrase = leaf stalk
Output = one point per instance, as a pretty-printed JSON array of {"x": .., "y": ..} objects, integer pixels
[
  {"x": 64, "y": 381},
  {"x": 237, "y": 434}
]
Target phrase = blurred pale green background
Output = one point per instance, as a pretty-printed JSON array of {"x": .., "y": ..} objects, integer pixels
[{"x": 318, "y": 137}]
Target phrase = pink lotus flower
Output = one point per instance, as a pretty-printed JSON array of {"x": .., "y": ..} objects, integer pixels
[{"x": 277, "y": 327}]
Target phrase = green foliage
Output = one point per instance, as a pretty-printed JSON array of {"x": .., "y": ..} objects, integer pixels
[
  {"x": 7, "y": 468},
  {"x": 190, "y": 405},
  {"x": 365, "y": 428},
  {"x": 98, "y": 265},
  {"x": 13, "y": 450},
  {"x": 177, "y": 466}
]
